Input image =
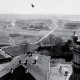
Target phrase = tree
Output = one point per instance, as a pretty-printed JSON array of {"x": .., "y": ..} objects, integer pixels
[
  {"x": 52, "y": 40},
  {"x": 58, "y": 40}
]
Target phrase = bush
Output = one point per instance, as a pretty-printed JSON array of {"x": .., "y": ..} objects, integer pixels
[
  {"x": 15, "y": 35},
  {"x": 24, "y": 28}
]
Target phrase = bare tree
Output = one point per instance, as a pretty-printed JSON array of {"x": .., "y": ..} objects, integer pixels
[{"x": 52, "y": 40}]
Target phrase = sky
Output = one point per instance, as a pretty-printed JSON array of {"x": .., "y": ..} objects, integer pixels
[{"x": 45, "y": 7}]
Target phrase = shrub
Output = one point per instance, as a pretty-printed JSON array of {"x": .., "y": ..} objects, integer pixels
[{"x": 14, "y": 35}]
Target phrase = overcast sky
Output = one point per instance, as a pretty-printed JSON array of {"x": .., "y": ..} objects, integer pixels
[{"x": 60, "y": 7}]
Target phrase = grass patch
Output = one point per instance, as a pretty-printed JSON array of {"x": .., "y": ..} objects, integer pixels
[
  {"x": 15, "y": 35},
  {"x": 24, "y": 28},
  {"x": 28, "y": 36}
]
